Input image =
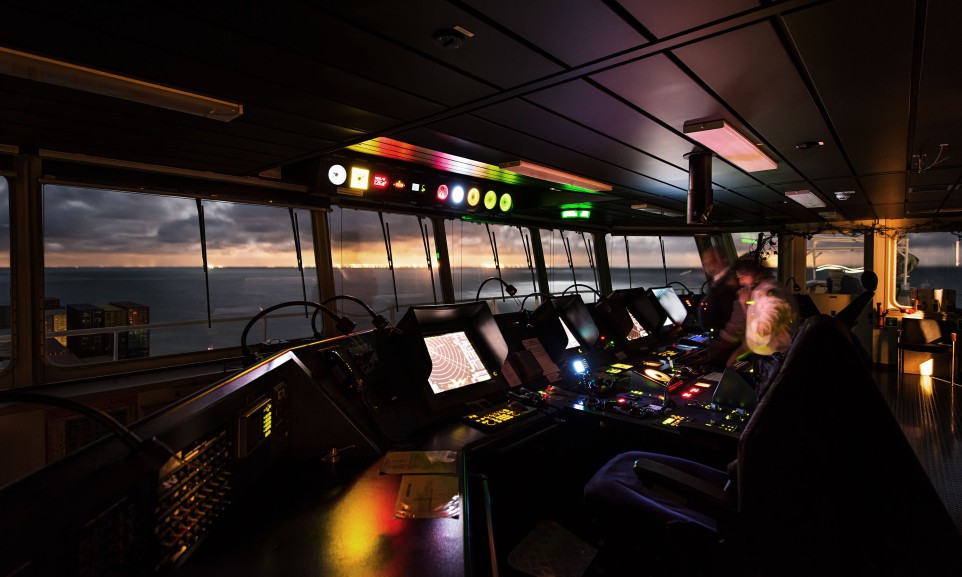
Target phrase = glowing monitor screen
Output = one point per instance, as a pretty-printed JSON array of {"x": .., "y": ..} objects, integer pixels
[
  {"x": 454, "y": 362},
  {"x": 672, "y": 304},
  {"x": 637, "y": 331},
  {"x": 572, "y": 341}
]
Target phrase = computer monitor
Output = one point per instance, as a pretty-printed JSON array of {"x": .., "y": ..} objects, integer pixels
[
  {"x": 622, "y": 325},
  {"x": 674, "y": 308},
  {"x": 565, "y": 327},
  {"x": 453, "y": 354},
  {"x": 643, "y": 307}
]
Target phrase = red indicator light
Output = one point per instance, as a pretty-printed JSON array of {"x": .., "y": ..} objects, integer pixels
[
  {"x": 694, "y": 390},
  {"x": 443, "y": 192},
  {"x": 379, "y": 181},
  {"x": 622, "y": 401},
  {"x": 686, "y": 395}
]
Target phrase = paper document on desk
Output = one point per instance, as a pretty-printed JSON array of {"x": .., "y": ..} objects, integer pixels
[
  {"x": 419, "y": 462},
  {"x": 551, "y": 370},
  {"x": 428, "y": 497}
]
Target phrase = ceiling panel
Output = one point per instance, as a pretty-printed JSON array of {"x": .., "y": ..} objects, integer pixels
[
  {"x": 684, "y": 14},
  {"x": 863, "y": 79},
  {"x": 587, "y": 31}
]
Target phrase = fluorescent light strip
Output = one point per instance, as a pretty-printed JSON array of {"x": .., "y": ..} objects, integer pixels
[
  {"x": 656, "y": 210},
  {"x": 552, "y": 175},
  {"x": 805, "y": 198},
  {"x": 728, "y": 143},
  {"x": 49, "y": 71}
]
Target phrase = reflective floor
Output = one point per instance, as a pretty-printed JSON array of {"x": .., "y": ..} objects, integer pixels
[{"x": 930, "y": 413}]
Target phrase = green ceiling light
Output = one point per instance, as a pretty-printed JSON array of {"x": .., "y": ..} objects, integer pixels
[
  {"x": 505, "y": 203},
  {"x": 490, "y": 199},
  {"x": 576, "y": 210}
]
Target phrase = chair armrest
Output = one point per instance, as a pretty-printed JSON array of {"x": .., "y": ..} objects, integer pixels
[{"x": 698, "y": 491}]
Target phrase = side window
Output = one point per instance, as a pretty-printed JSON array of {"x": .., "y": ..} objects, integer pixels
[
  {"x": 472, "y": 248},
  {"x": 764, "y": 243},
  {"x": 118, "y": 259},
  {"x": 386, "y": 260},
  {"x": 927, "y": 269},
  {"x": 834, "y": 263},
  {"x": 636, "y": 261}
]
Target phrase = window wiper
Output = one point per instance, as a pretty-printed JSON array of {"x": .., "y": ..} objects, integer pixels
[
  {"x": 203, "y": 252},
  {"x": 297, "y": 248},
  {"x": 386, "y": 231}
]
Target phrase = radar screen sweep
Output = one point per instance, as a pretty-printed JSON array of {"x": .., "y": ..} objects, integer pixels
[{"x": 455, "y": 362}]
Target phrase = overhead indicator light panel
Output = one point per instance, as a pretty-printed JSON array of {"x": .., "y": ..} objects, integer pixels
[
  {"x": 490, "y": 200},
  {"x": 505, "y": 203},
  {"x": 337, "y": 174},
  {"x": 359, "y": 178},
  {"x": 474, "y": 196},
  {"x": 380, "y": 181}
]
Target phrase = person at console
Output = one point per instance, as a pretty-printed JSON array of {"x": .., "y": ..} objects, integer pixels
[
  {"x": 770, "y": 321},
  {"x": 717, "y": 313}
]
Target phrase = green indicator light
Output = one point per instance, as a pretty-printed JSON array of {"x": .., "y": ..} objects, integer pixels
[
  {"x": 505, "y": 203},
  {"x": 584, "y": 214},
  {"x": 490, "y": 199},
  {"x": 569, "y": 214}
]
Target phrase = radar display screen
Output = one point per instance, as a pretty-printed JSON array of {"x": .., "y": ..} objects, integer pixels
[
  {"x": 637, "y": 331},
  {"x": 454, "y": 362}
]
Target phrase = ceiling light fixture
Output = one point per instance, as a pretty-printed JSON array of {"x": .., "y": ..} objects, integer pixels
[
  {"x": 728, "y": 143},
  {"x": 656, "y": 210},
  {"x": 49, "y": 71},
  {"x": 805, "y": 198},
  {"x": 552, "y": 175}
]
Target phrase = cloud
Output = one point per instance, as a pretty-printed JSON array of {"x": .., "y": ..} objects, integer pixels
[{"x": 84, "y": 221}]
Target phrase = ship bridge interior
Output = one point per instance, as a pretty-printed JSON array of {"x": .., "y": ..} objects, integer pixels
[{"x": 429, "y": 288}]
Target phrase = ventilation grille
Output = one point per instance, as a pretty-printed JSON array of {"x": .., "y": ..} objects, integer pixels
[
  {"x": 932, "y": 188},
  {"x": 191, "y": 496}
]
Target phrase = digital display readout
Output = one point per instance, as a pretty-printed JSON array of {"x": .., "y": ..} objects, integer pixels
[{"x": 255, "y": 426}]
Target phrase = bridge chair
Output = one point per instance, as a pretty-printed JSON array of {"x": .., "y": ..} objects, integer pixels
[
  {"x": 824, "y": 483},
  {"x": 925, "y": 348}
]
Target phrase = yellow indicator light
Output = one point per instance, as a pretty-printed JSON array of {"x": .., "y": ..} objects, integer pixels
[
  {"x": 505, "y": 203},
  {"x": 474, "y": 197},
  {"x": 360, "y": 178},
  {"x": 266, "y": 420}
]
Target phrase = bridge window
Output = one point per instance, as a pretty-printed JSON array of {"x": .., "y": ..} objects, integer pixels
[
  {"x": 637, "y": 261},
  {"x": 481, "y": 251},
  {"x": 927, "y": 262},
  {"x": 115, "y": 259},
  {"x": 569, "y": 260},
  {"x": 386, "y": 260}
]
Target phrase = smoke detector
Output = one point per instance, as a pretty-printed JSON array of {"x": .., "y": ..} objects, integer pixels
[{"x": 844, "y": 194}]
